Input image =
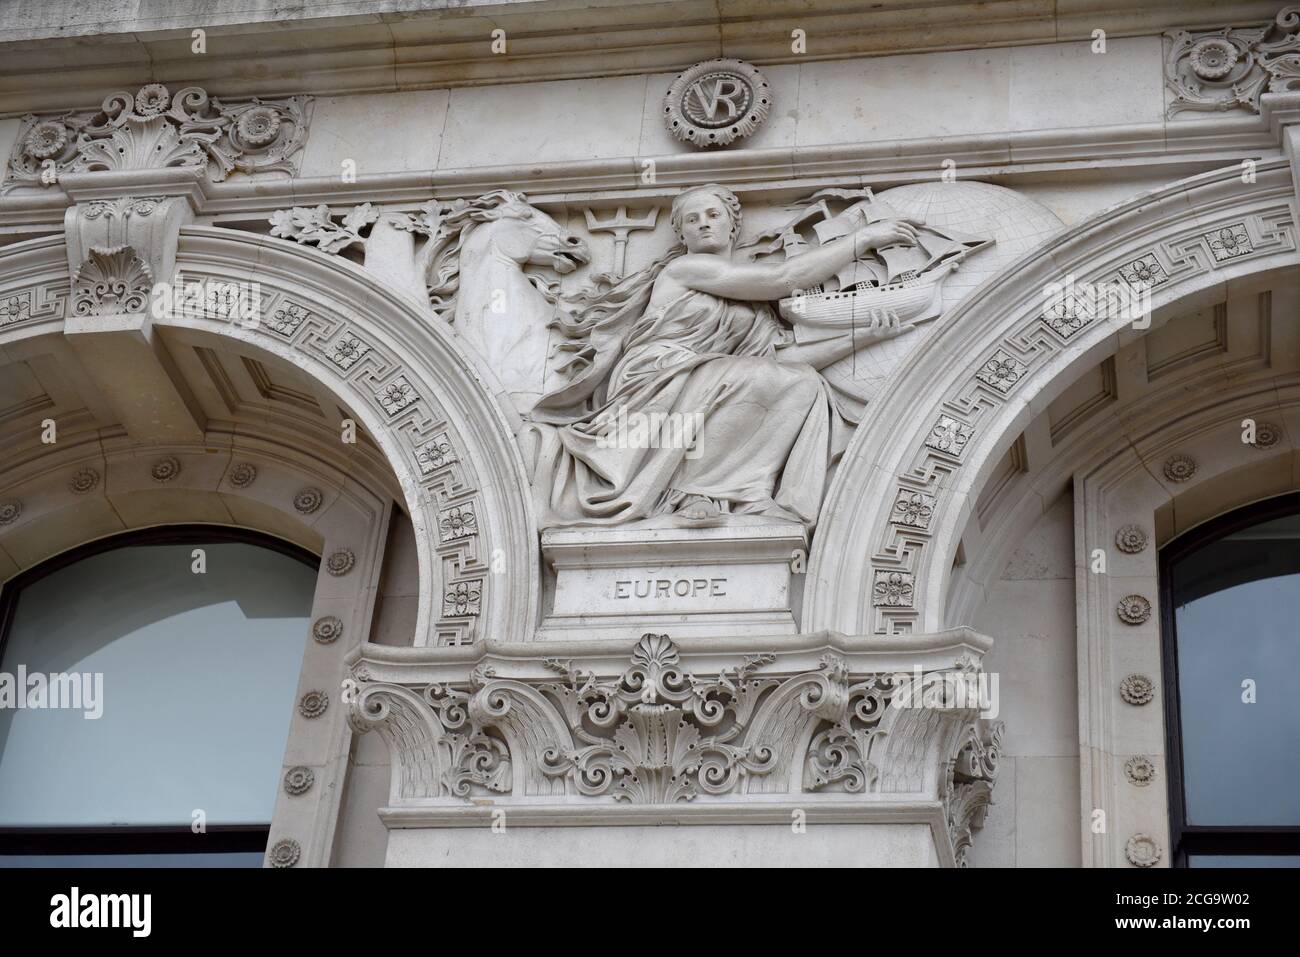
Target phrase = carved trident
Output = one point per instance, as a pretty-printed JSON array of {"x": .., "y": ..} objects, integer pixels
[{"x": 620, "y": 225}]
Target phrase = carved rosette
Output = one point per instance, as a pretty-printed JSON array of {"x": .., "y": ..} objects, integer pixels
[
  {"x": 1180, "y": 468},
  {"x": 9, "y": 511},
  {"x": 1231, "y": 68},
  {"x": 112, "y": 281},
  {"x": 1133, "y": 609},
  {"x": 298, "y": 780},
  {"x": 154, "y": 129},
  {"x": 1142, "y": 850},
  {"x": 284, "y": 853},
  {"x": 1267, "y": 435},
  {"x": 1130, "y": 539},
  {"x": 658, "y": 734},
  {"x": 308, "y": 500},
  {"x": 327, "y": 630},
  {"x": 1137, "y": 689},
  {"x": 1140, "y": 770},
  {"x": 340, "y": 562}
]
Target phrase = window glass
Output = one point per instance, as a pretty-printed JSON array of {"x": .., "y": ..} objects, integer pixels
[
  {"x": 1236, "y": 609},
  {"x": 192, "y": 677}
]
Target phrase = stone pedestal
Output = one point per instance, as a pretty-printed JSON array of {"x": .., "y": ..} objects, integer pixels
[{"x": 622, "y": 582}]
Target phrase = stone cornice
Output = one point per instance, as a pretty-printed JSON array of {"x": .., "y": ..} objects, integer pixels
[
  {"x": 413, "y": 665},
  {"x": 390, "y": 45},
  {"x": 755, "y": 173}
]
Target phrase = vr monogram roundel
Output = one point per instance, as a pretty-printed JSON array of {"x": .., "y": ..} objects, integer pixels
[{"x": 717, "y": 102}]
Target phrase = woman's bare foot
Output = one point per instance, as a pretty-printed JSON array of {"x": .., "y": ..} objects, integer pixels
[{"x": 699, "y": 510}]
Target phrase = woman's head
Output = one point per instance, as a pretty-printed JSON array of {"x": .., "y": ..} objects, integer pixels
[{"x": 707, "y": 218}]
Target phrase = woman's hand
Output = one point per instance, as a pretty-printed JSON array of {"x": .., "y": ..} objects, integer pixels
[{"x": 889, "y": 232}]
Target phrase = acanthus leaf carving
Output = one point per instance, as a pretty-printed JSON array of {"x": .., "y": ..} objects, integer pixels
[
  {"x": 968, "y": 790},
  {"x": 154, "y": 129},
  {"x": 658, "y": 734},
  {"x": 112, "y": 281}
]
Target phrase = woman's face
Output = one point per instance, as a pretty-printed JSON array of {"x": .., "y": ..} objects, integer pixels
[{"x": 706, "y": 224}]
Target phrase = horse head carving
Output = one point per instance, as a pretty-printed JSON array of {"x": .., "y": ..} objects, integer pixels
[
  {"x": 470, "y": 269},
  {"x": 474, "y": 265}
]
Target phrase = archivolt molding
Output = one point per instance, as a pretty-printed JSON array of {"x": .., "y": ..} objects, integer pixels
[
  {"x": 404, "y": 378},
  {"x": 418, "y": 397},
  {"x": 887, "y": 729},
  {"x": 1126, "y": 508},
  {"x": 995, "y": 362}
]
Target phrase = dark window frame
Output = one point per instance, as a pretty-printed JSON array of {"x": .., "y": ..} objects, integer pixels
[
  {"x": 1188, "y": 839},
  {"x": 133, "y": 839}
]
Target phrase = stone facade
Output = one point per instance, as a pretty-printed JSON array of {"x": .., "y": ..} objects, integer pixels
[{"x": 737, "y": 416}]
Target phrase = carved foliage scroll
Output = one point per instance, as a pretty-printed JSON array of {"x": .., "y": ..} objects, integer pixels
[
  {"x": 658, "y": 734},
  {"x": 154, "y": 129},
  {"x": 1232, "y": 67}
]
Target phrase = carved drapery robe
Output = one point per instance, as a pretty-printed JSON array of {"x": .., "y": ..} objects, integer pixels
[{"x": 765, "y": 432}]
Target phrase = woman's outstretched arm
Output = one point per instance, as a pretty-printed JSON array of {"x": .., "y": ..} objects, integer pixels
[{"x": 718, "y": 276}]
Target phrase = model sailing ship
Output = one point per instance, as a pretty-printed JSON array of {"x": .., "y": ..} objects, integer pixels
[{"x": 901, "y": 284}]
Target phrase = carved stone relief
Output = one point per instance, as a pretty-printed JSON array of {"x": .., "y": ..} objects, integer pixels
[
  {"x": 1137, "y": 689},
  {"x": 153, "y": 129},
  {"x": 863, "y": 278},
  {"x": 1133, "y": 609},
  {"x": 112, "y": 281},
  {"x": 658, "y": 734},
  {"x": 1142, "y": 850},
  {"x": 1232, "y": 67},
  {"x": 467, "y": 259},
  {"x": 717, "y": 102}
]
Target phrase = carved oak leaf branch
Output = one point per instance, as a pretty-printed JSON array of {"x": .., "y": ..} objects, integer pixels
[{"x": 315, "y": 225}]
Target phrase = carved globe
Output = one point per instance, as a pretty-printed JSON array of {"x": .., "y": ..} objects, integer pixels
[{"x": 1016, "y": 223}]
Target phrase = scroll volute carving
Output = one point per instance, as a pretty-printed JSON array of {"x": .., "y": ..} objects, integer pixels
[{"x": 658, "y": 734}]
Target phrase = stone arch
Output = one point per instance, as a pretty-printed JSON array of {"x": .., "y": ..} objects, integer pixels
[
  {"x": 89, "y": 488},
  {"x": 949, "y": 413},
  {"x": 410, "y": 388}
]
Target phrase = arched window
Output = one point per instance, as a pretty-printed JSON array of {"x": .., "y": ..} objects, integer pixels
[
  {"x": 147, "y": 683},
  {"x": 1231, "y": 592}
]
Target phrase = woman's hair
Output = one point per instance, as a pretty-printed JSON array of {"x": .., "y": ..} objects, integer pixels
[{"x": 727, "y": 197}]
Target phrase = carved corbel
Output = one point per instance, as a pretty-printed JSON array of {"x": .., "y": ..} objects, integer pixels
[
  {"x": 1281, "y": 111},
  {"x": 968, "y": 790},
  {"x": 122, "y": 235}
]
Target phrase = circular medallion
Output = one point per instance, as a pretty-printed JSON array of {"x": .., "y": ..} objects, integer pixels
[
  {"x": 1137, "y": 689},
  {"x": 1142, "y": 851},
  {"x": 243, "y": 475},
  {"x": 298, "y": 780},
  {"x": 285, "y": 853},
  {"x": 1133, "y": 609},
  {"x": 313, "y": 704},
  {"x": 717, "y": 102},
  {"x": 1140, "y": 770},
  {"x": 1130, "y": 539}
]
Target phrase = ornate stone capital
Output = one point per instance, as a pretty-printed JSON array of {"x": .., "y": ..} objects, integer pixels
[{"x": 661, "y": 733}]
